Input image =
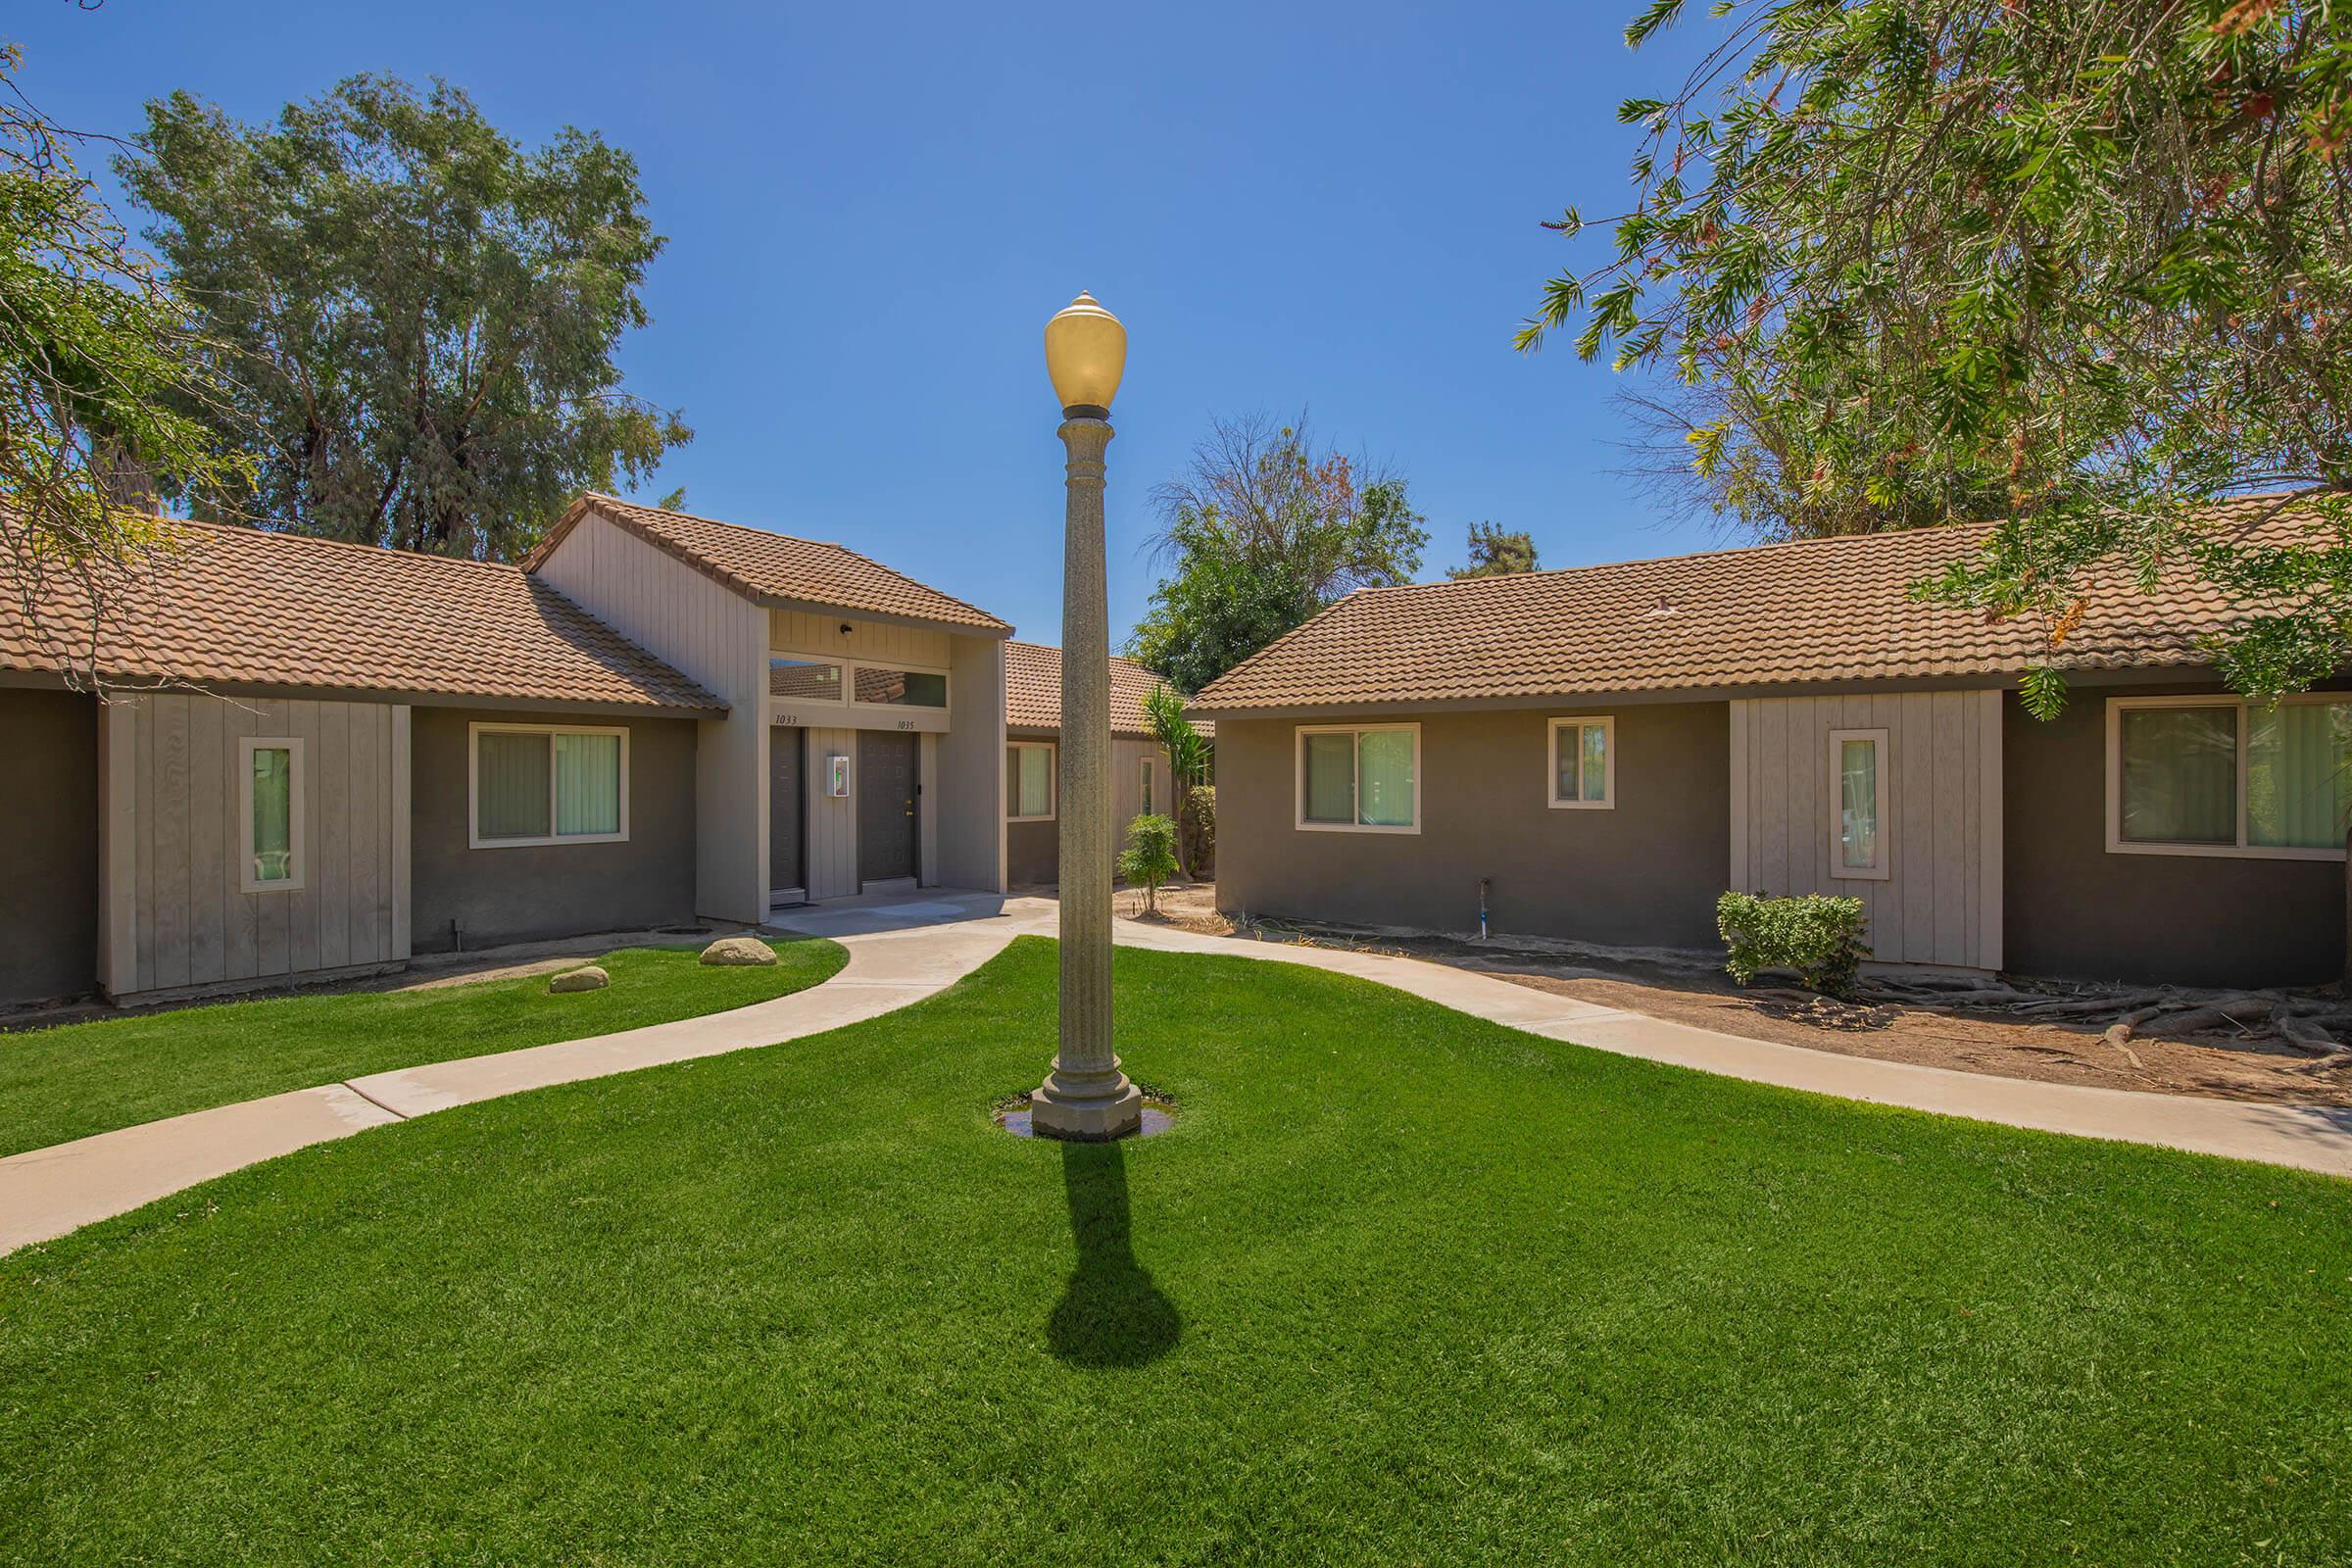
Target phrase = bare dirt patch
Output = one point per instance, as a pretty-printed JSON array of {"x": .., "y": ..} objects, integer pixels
[
  {"x": 1186, "y": 906},
  {"x": 2216, "y": 1064}
]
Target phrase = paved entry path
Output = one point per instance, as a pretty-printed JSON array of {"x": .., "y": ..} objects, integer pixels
[{"x": 901, "y": 953}]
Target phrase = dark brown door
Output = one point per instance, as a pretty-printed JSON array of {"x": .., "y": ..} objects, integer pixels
[
  {"x": 787, "y": 808},
  {"x": 888, "y": 823}
]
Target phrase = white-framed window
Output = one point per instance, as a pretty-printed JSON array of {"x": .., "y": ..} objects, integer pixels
[
  {"x": 898, "y": 686},
  {"x": 2221, "y": 776},
  {"x": 1859, "y": 762},
  {"x": 799, "y": 679},
  {"x": 1583, "y": 764},
  {"x": 270, "y": 785},
  {"x": 1029, "y": 782},
  {"x": 534, "y": 784},
  {"x": 1151, "y": 777},
  {"x": 1359, "y": 778}
]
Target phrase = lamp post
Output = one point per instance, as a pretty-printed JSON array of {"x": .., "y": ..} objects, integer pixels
[{"x": 1086, "y": 1097}]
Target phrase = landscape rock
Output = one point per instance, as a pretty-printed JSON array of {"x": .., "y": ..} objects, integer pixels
[
  {"x": 739, "y": 951},
  {"x": 587, "y": 978}
]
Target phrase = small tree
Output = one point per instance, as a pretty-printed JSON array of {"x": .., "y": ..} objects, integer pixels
[
  {"x": 1188, "y": 762},
  {"x": 1495, "y": 554},
  {"x": 100, "y": 364},
  {"x": 1150, "y": 857},
  {"x": 1266, "y": 528}
]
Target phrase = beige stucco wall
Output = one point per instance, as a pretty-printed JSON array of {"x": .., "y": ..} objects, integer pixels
[
  {"x": 1646, "y": 872},
  {"x": 171, "y": 842}
]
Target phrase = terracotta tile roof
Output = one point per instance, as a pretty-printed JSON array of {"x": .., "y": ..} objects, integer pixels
[
  {"x": 1814, "y": 611},
  {"x": 239, "y": 605},
  {"x": 774, "y": 568},
  {"x": 1033, "y": 691}
]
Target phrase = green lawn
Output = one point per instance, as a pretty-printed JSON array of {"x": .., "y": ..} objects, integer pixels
[
  {"x": 1399, "y": 1287},
  {"x": 84, "y": 1078}
]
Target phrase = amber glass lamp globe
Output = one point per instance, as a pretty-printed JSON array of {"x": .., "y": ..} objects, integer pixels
[{"x": 1085, "y": 350}]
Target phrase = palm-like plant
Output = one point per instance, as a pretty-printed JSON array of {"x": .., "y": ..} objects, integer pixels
[{"x": 1188, "y": 759}]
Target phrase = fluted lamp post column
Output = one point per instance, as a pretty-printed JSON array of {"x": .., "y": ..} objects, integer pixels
[{"x": 1086, "y": 1095}]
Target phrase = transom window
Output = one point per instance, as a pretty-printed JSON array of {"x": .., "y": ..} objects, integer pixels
[
  {"x": 1359, "y": 778},
  {"x": 799, "y": 680},
  {"x": 804, "y": 680},
  {"x": 543, "y": 784},
  {"x": 2216, "y": 775},
  {"x": 1029, "y": 781},
  {"x": 882, "y": 686},
  {"x": 271, "y": 787},
  {"x": 1858, "y": 765},
  {"x": 1584, "y": 763}
]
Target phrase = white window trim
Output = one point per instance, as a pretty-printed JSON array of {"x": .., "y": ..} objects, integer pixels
[
  {"x": 797, "y": 656},
  {"x": 1298, "y": 778},
  {"x": 2117, "y": 844},
  {"x": 1053, "y": 780},
  {"x": 298, "y": 860},
  {"x": 1609, "y": 760},
  {"x": 848, "y": 683},
  {"x": 473, "y": 791},
  {"x": 1151, "y": 794},
  {"x": 1882, "y": 868}
]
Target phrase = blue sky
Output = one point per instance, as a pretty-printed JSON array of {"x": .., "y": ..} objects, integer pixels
[{"x": 873, "y": 208}]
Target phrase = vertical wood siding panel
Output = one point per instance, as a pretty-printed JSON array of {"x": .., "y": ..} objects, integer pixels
[
  {"x": 1863, "y": 712},
  {"x": 1969, "y": 841},
  {"x": 1950, "y": 708},
  {"x": 363, "y": 915},
  {"x": 304, "y": 904},
  {"x": 1992, "y": 809},
  {"x": 210, "y": 780},
  {"x": 1805, "y": 743},
  {"x": 1737, "y": 714},
  {"x": 1915, "y": 849},
  {"x": 240, "y": 951},
  {"x": 172, "y": 853},
  {"x": 331, "y": 831},
  {"x": 146, "y": 874},
  {"x": 119, "y": 847},
  {"x": 1826, "y": 717},
  {"x": 402, "y": 936},
  {"x": 1774, "y": 723}
]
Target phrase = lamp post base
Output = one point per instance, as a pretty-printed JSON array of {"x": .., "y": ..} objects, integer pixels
[{"x": 1086, "y": 1106}]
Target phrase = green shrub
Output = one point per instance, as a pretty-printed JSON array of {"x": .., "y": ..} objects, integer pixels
[
  {"x": 1150, "y": 857},
  {"x": 1817, "y": 936},
  {"x": 1200, "y": 831}
]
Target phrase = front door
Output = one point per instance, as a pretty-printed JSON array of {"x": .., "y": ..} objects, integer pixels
[
  {"x": 887, "y": 819},
  {"x": 787, "y": 811}
]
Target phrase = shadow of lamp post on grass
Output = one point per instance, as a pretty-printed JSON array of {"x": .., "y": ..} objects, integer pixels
[{"x": 1110, "y": 1315}]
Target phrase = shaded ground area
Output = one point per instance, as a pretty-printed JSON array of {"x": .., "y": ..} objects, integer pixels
[
  {"x": 78, "y": 1079},
  {"x": 1400, "y": 1286},
  {"x": 1687, "y": 989}
]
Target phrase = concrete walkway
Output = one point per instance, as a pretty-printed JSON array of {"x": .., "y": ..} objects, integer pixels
[{"x": 901, "y": 952}]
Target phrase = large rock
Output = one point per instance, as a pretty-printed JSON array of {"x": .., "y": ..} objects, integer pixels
[
  {"x": 587, "y": 978},
  {"x": 739, "y": 951}
]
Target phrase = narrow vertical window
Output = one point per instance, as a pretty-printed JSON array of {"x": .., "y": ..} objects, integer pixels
[
  {"x": 1859, "y": 804},
  {"x": 270, "y": 785},
  {"x": 1029, "y": 781},
  {"x": 1147, "y": 807},
  {"x": 1584, "y": 763}
]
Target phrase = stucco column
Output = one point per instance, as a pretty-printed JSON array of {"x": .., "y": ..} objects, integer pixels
[{"x": 1086, "y": 1095}]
